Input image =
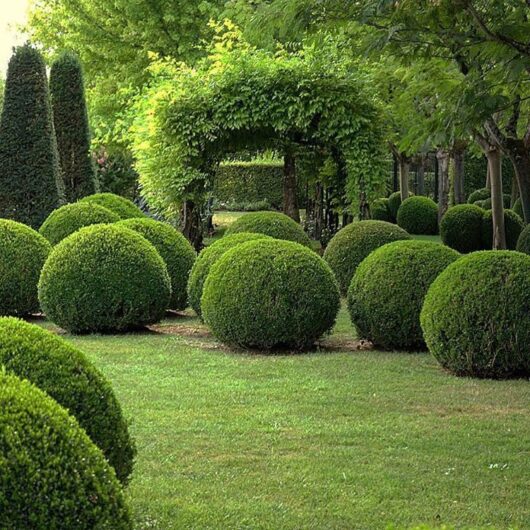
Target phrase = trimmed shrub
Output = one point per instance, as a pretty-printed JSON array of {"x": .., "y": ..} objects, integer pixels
[
  {"x": 387, "y": 291},
  {"x": 175, "y": 250},
  {"x": 70, "y": 218},
  {"x": 64, "y": 373},
  {"x": 480, "y": 204},
  {"x": 461, "y": 228},
  {"x": 475, "y": 317},
  {"x": 479, "y": 195},
  {"x": 23, "y": 252},
  {"x": 394, "y": 202},
  {"x": 418, "y": 215},
  {"x": 266, "y": 294},
  {"x": 379, "y": 210},
  {"x": 354, "y": 242},
  {"x": 506, "y": 201},
  {"x": 70, "y": 119},
  {"x": 523, "y": 242},
  {"x": 104, "y": 278},
  {"x": 518, "y": 208},
  {"x": 206, "y": 260},
  {"x": 274, "y": 224},
  {"x": 121, "y": 206},
  {"x": 513, "y": 224},
  {"x": 30, "y": 179},
  {"x": 52, "y": 475}
]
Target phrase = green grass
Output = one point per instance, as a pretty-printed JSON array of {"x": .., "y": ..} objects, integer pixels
[{"x": 336, "y": 438}]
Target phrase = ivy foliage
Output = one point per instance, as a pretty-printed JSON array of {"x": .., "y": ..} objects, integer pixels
[{"x": 241, "y": 98}]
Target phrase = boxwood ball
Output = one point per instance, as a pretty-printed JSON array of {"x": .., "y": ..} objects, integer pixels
[
  {"x": 121, "y": 206},
  {"x": 476, "y": 315},
  {"x": 270, "y": 294},
  {"x": 418, "y": 215},
  {"x": 461, "y": 228},
  {"x": 104, "y": 278}
]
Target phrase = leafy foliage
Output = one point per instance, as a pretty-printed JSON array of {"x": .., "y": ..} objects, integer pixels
[
  {"x": 354, "y": 242},
  {"x": 266, "y": 294},
  {"x": 50, "y": 464},
  {"x": 23, "y": 252},
  {"x": 63, "y": 372},
  {"x": 475, "y": 318},
  {"x": 418, "y": 215},
  {"x": 387, "y": 291},
  {"x": 30, "y": 180},
  {"x": 104, "y": 278},
  {"x": 461, "y": 228},
  {"x": 121, "y": 206}
]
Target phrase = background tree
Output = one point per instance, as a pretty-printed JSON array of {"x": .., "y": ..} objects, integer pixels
[
  {"x": 30, "y": 180},
  {"x": 70, "y": 119}
]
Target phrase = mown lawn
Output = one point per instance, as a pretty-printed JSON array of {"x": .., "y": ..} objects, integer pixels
[{"x": 336, "y": 438}]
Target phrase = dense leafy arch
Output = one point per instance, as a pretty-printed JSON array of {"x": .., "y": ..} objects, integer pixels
[{"x": 240, "y": 98}]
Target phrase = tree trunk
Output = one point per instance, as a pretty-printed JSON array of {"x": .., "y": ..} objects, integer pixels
[
  {"x": 443, "y": 182},
  {"x": 520, "y": 159},
  {"x": 191, "y": 224},
  {"x": 436, "y": 178},
  {"x": 514, "y": 192},
  {"x": 319, "y": 211},
  {"x": 497, "y": 208},
  {"x": 404, "y": 167},
  {"x": 458, "y": 158},
  {"x": 488, "y": 179},
  {"x": 290, "y": 199},
  {"x": 395, "y": 181},
  {"x": 420, "y": 176}
]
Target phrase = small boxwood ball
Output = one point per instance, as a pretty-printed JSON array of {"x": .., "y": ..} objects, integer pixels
[
  {"x": 23, "y": 252},
  {"x": 354, "y": 242},
  {"x": 476, "y": 315},
  {"x": 273, "y": 224},
  {"x": 513, "y": 225},
  {"x": 175, "y": 250},
  {"x": 418, "y": 215},
  {"x": 506, "y": 201},
  {"x": 121, "y": 206},
  {"x": 207, "y": 258},
  {"x": 479, "y": 195},
  {"x": 104, "y": 278},
  {"x": 461, "y": 228},
  {"x": 270, "y": 294},
  {"x": 51, "y": 474},
  {"x": 394, "y": 202},
  {"x": 380, "y": 211},
  {"x": 63, "y": 372},
  {"x": 523, "y": 243},
  {"x": 518, "y": 208},
  {"x": 70, "y": 218},
  {"x": 387, "y": 291}
]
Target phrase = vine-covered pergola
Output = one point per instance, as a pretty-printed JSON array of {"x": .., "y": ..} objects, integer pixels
[{"x": 240, "y": 98}]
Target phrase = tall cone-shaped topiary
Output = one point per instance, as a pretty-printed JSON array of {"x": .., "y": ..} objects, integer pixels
[
  {"x": 30, "y": 179},
  {"x": 70, "y": 118}
]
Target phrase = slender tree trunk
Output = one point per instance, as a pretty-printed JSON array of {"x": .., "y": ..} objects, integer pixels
[
  {"x": 319, "y": 211},
  {"x": 514, "y": 192},
  {"x": 404, "y": 168},
  {"x": 191, "y": 224},
  {"x": 290, "y": 199},
  {"x": 488, "y": 178},
  {"x": 420, "y": 176},
  {"x": 395, "y": 181},
  {"x": 497, "y": 208},
  {"x": 443, "y": 182},
  {"x": 520, "y": 159},
  {"x": 458, "y": 158},
  {"x": 436, "y": 178}
]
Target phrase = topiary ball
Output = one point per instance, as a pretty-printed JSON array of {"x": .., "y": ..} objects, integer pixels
[
  {"x": 354, "y": 242},
  {"x": 175, "y": 250},
  {"x": 52, "y": 475},
  {"x": 476, "y": 318},
  {"x": 418, "y": 215},
  {"x": 266, "y": 294},
  {"x": 23, "y": 252},
  {"x": 206, "y": 260},
  {"x": 394, "y": 202},
  {"x": 64, "y": 373},
  {"x": 523, "y": 242},
  {"x": 70, "y": 218},
  {"x": 104, "y": 278},
  {"x": 518, "y": 208},
  {"x": 121, "y": 206},
  {"x": 513, "y": 225},
  {"x": 461, "y": 228},
  {"x": 506, "y": 200},
  {"x": 479, "y": 195},
  {"x": 380, "y": 211},
  {"x": 273, "y": 224},
  {"x": 387, "y": 291}
]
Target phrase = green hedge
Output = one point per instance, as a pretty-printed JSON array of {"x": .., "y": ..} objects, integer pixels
[{"x": 51, "y": 473}]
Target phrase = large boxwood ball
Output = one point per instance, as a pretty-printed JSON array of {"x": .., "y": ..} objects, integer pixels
[
  {"x": 23, "y": 252},
  {"x": 64, "y": 373},
  {"x": 479, "y": 195},
  {"x": 387, "y": 291},
  {"x": 121, "y": 206},
  {"x": 273, "y": 224},
  {"x": 70, "y": 218},
  {"x": 207, "y": 258},
  {"x": 476, "y": 315},
  {"x": 51, "y": 474},
  {"x": 394, "y": 202},
  {"x": 175, "y": 250},
  {"x": 266, "y": 294},
  {"x": 418, "y": 215},
  {"x": 104, "y": 278},
  {"x": 513, "y": 226},
  {"x": 380, "y": 211},
  {"x": 354, "y": 242},
  {"x": 461, "y": 228}
]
